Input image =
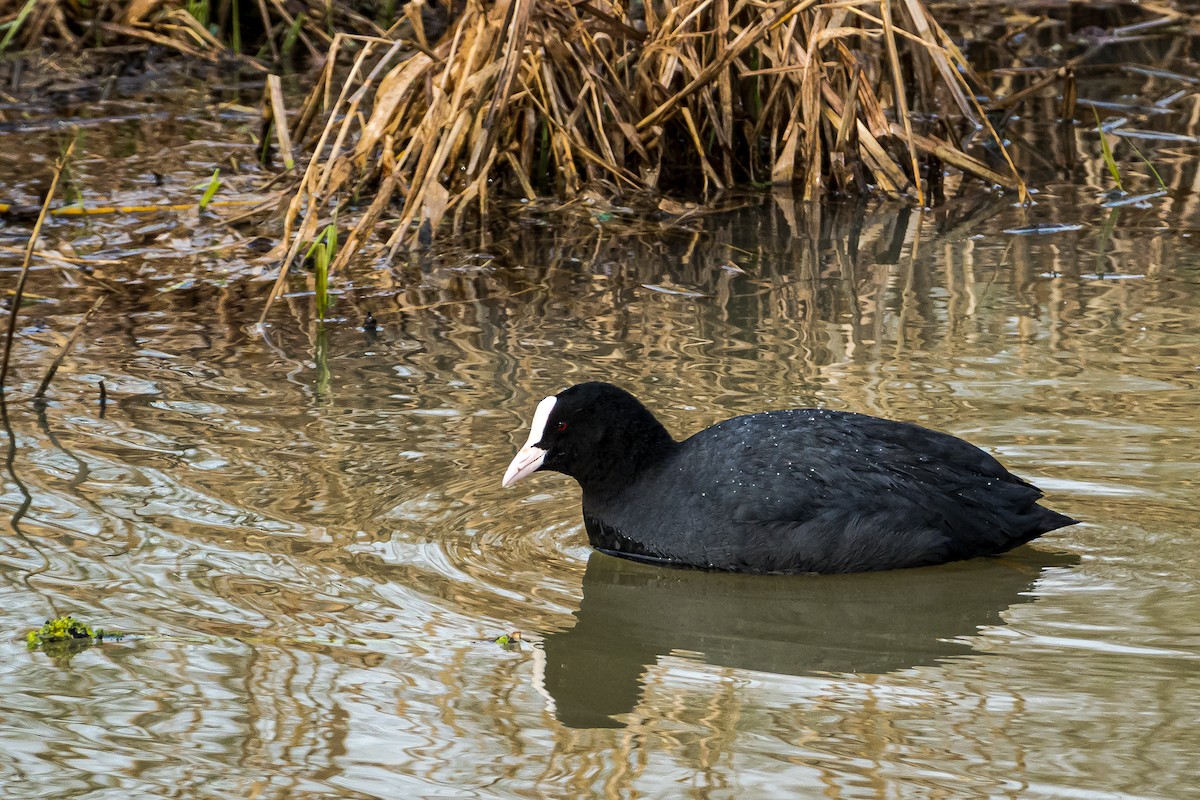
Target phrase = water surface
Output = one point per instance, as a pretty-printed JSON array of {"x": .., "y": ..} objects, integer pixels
[{"x": 306, "y": 532}]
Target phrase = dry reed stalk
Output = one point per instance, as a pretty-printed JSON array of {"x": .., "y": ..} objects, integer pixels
[
  {"x": 540, "y": 97},
  {"x": 30, "y": 246},
  {"x": 278, "y": 114},
  {"x": 889, "y": 36},
  {"x": 130, "y": 32}
]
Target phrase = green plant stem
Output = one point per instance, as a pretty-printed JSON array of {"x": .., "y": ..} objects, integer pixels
[
  {"x": 15, "y": 25},
  {"x": 235, "y": 23},
  {"x": 1161, "y": 184},
  {"x": 1106, "y": 151},
  {"x": 214, "y": 183}
]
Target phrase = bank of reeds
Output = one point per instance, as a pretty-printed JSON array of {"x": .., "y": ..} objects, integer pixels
[
  {"x": 578, "y": 99},
  {"x": 539, "y": 98}
]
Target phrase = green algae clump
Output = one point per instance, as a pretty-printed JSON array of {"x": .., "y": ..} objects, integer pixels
[{"x": 65, "y": 629}]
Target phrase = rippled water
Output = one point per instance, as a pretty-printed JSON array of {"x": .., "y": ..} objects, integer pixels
[{"x": 306, "y": 534}]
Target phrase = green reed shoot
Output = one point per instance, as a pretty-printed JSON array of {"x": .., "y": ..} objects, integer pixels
[
  {"x": 235, "y": 21},
  {"x": 15, "y": 25},
  {"x": 210, "y": 189},
  {"x": 200, "y": 10},
  {"x": 386, "y": 16},
  {"x": 1161, "y": 184},
  {"x": 322, "y": 253},
  {"x": 288, "y": 48},
  {"x": 1106, "y": 151}
]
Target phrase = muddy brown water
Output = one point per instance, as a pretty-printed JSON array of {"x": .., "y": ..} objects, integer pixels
[{"x": 305, "y": 535}]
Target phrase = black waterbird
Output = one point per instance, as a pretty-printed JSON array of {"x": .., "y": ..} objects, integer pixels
[{"x": 803, "y": 490}]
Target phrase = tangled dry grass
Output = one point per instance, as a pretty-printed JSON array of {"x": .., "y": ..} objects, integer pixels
[{"x": 541, "y": 97}]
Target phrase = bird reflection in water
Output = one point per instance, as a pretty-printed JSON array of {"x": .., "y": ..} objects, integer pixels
[{"x": 866, "y": 623}]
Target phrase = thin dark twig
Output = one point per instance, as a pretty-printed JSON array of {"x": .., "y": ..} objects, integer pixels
[
  {"x": 67, "y": 345},
  {"x": 59, "y": 166}
]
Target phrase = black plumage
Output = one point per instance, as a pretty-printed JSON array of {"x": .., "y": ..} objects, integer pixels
[{"x": 804, "y": 490}]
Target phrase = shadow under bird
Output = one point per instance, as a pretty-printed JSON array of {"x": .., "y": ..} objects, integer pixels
[{"x": 803, "y": 490}]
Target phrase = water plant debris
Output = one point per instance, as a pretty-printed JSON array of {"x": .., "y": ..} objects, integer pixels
[
  {"x": 66, "y": 629},
  {"x": 509, "y": 641}
]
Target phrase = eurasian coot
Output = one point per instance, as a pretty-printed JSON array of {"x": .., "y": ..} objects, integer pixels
[{"x": 806, "y": 490}]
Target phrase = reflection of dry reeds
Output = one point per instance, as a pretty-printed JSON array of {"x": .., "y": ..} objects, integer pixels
[{"x": 533, "y": 98}]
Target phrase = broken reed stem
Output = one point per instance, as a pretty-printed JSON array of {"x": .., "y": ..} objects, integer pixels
[
  {"x": 67, "y": 345},
  {"x": 19, "y": 291},
  {"x": 889, "y": 35},
  {"x": 279, "y": 120}
]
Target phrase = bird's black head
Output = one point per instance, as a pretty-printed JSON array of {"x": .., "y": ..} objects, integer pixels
[{"x": 595, "y": 432}]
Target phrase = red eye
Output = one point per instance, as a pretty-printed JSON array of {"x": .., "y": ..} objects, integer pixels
[{"x": 560, "y": 427}]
